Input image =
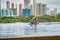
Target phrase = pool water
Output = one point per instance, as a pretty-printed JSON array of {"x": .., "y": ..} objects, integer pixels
[{"x": 21, "y": 29}]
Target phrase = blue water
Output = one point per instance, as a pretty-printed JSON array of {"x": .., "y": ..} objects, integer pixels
[{"x": 21, "y": 29}]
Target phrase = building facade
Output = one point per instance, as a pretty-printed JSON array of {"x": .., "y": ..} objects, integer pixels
[
  {"x": 8, "y": 4},
  {"x": 31, "y": 8},
  {"x": 12, "y": 5},
  {"x": 54, "y": 12},
  {"x": 26, "y": 12},
  {"x": 6, "y": 13},
  {"x": 0, "y": 6},
  {"x": 20, "y": 10},
  {"x": 38, "y": 9},
  {"x": 34, "y": 7},
  {"x": 14, "y": 8},
  {"x": 48, "y": 11},
  {"x": 44, "y": 10},
  {"x": 14, "y": 11},
  {"x": 26, "y": 3}
]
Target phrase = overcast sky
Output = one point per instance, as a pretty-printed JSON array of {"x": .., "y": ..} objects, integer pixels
[{"x": 50, "y": 3}]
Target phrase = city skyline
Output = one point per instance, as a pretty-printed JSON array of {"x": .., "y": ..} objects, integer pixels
[{"x": 51, "y": 3}]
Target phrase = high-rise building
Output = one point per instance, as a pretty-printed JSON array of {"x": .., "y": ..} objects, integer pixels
[
  {"x": 34, "y": 7},
  {"x": 26, "y": 3},
  {"x": 8, "y": 4},
  {"x": 55, "y": 10},
  {"x": 31, "y": 8},
  {"x": 38, "y": 9},
  {"x": 48, "y": 12},
  {"x": 52, "y": 13},
  {"x": 20, "y": 9},
  {"x": 44, "y": 10},
  {"x": 12, "y": 6},
  {"x": 14, "y": 9},
  {"x": 0, "y": 7}
]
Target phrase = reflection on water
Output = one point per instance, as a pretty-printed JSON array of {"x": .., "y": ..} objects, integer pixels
[
  {"x": 7, "y": 30},
  {"x": 30, "y": 31}
]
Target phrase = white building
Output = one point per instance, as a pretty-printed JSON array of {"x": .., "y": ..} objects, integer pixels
[
  {"x": 44, "y": 10},
  {"x": 0, "y": 6},
  {"x": 54, "y": 12},
  {"x": 38, "y": 9},
  {"x": 26, "y": 3},
  {"x": 31, "y": 8},
  {"x": 48, "y": 11},
  {"x": 34, "y": 7},
  {"x": 20, "y": 10}
]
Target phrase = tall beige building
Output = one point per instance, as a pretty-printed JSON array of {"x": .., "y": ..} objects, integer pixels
[
  {"x": 20, "y": 10},
  {"x": 38, "y": 9},
  {"x": 31, "y": 8},
  {"x": 34, "y": 7}
]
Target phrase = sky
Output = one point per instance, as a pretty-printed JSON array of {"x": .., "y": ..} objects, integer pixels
[{"x": 50, "y": 3}]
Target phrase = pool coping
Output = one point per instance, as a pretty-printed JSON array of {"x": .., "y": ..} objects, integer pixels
[{"x": 26, "y": 36}]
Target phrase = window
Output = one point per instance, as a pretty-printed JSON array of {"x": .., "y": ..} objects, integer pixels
[
  {"x": 10, "y": 13},
  {"x": 2, "y": 12},
  {"x": 6, "y": 12}
]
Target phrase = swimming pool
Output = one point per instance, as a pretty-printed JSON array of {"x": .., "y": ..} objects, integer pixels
[{"x": 24, "y": 29}]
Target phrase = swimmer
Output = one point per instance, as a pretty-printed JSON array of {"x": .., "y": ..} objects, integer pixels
[{"x": 34, "y": 22}]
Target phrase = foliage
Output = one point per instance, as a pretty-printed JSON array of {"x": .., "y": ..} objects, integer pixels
[{"x": 27, "y": 19}]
